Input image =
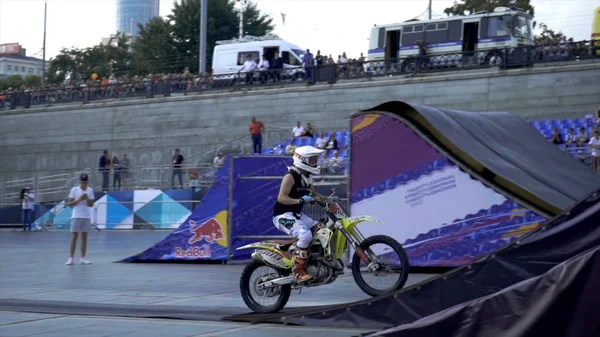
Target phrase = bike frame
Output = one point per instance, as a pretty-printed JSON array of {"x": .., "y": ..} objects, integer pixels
[{"x": 345, "y": 231}]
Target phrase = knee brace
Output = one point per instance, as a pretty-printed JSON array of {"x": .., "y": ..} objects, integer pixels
[{"x": 304, "y": 239}]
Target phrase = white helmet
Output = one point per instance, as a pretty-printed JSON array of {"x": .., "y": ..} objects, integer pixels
[{"x": 306, "y": 158}]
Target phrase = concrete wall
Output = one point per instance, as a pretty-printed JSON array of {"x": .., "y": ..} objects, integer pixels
[{"x": 64, "y": 139}]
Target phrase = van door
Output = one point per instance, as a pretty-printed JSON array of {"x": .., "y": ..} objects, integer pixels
[{"x": 392, "y": 44}]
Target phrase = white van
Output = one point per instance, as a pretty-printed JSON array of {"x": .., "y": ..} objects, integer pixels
[{"x": 229, "y": 55}]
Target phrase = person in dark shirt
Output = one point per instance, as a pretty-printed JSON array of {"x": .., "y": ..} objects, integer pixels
[
  {"x": 177, "y": 165},
  {"x": 556, "y": 138},
  {"x": 276, "y": 65},
  {"x": 296, "y": 190},
  {"x": 104, "y": 168}
]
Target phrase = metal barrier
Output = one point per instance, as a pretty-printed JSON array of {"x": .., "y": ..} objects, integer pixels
[
  {"x": 150, "y": 224},
  {"x": 582, "y": 154},
  {"x": 184, "y": 84}
]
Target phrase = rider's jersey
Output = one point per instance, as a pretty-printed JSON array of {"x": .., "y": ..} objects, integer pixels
[{"x": 296, "y": 192}]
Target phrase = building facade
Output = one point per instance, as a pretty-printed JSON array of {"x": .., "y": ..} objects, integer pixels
[
  {"x": 13, "y": 61},
  {"x": 130, "y": 13}
]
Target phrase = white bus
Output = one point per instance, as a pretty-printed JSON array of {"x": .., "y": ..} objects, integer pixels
[{"x": 483, "y": 35}]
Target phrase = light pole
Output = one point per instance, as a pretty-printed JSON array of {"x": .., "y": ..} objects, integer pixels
[
  {"x": 44, "y": 47},
  {"x": 203, "y": 19},
  {"x": 430, "y": 9},
  {"x": 241, "y": 6}
]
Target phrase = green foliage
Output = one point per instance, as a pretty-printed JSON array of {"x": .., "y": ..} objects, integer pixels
[
  {"x": 17, "y": 82},
  {"x": 548, "y": 36},
  {"x": 113, "y": 58},
  {"x": 223, "y": 24},
  {"x": 469, "y": 7}
]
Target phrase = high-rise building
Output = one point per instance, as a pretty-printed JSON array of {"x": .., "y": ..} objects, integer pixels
[{"x": 130, "y": 13}]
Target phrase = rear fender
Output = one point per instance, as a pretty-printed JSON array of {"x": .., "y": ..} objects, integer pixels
[{"x": 270, "y": 255}]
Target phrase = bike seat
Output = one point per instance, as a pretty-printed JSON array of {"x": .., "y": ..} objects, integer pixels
[{"x": 284, "y": 245}]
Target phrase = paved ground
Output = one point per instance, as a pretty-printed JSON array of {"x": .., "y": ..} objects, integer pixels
[{"x": 32, "y": 269}]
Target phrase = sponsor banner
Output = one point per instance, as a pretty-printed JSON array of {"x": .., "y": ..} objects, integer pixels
[
  {"x": 10, "y": 48},
  {"x": 439, "y": 213}
]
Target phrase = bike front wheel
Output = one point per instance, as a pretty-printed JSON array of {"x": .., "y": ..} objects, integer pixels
[{"x": 388, "y": 262}]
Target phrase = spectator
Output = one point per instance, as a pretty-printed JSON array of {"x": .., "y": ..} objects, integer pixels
[
  {"x": 81, "y": 199},
  {"x": 332, "y": 144},
  {"x": 324, "y": 163},
  {"x": 248, "y": 68},
  {"x": 336, "y": 164},
  {"x": 319, "y": 58},
  {"x": 289, "y": 150},
  {"x": 27, "y": 196},
  {"x": 263, "y": 67},
  {"x": 278, "y": 150},
  {"x": 571, "y": 138},
  {"x": 423, "y": 59},
  {"x": 308, "y": 132},
  {"x": 321, "y": 142},
  {"x": 219, "y": 160},
  {"x": 124, "y": 170},
  {"x": 276, "y": 66},
  {"x": 556, "y": 138},
  {"x": 582, "y": 138},
  {"x": 298, "y": 130},
  {"x": 116, "y": 164},
  {"x": 308, "y": 63},
  {"x": 193, "y": 176},
  {"x": 595, "y": 145},
  {"x": 177, "y": 165},
  {"x": 256, "y": 129},
  {"x": 104, "y": 169}
]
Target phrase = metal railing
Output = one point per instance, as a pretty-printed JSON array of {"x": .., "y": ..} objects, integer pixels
[
  {"x": 582, "y": 154},
  {"x": 188, "y": 83}
]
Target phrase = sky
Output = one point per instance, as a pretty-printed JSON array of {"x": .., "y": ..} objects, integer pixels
[{"x": 332, "y": 26}]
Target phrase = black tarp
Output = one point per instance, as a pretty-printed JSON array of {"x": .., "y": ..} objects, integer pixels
[
  {"x": 506, "y": 149},
  {"x": 564, "y": 302},
  {"x": 567, "y": 235}
]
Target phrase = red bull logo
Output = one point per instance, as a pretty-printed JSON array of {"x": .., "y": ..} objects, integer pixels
[
  {"x": 200, "y": 252},
  {"x": 209, "y": 231}
]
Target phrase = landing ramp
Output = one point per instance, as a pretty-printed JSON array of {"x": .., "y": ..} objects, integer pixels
[{"x": 568, "y": 235}]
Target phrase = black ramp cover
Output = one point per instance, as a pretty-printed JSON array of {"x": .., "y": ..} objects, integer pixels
[
  {"x": 564, "y": 237},
  {"x": 543, "y": 165},
  {"x": 564, "y": 302},
  {"x": 509, "y": 147}
]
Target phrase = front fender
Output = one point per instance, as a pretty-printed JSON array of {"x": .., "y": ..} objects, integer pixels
[{"x": 352, "y": 221}]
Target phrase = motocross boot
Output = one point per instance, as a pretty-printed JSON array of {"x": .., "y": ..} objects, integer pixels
[{"x": 299, "y": 269}]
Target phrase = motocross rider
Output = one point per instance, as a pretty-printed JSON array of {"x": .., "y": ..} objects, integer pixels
[{"x": 295, "y": 191}]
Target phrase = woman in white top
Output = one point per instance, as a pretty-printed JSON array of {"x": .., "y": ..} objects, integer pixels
[
  {"x": 595, "y": 145},
  {"x": 27, "y": 206}
]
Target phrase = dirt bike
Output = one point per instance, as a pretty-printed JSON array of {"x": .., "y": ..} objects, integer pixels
[{"x": 329, "y": 244}]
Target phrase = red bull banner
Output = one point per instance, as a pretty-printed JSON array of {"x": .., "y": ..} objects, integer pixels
[{"x": 204, "y": 234}]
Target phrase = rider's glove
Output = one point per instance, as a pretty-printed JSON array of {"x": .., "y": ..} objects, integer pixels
[{"x": 305, "y": 199}]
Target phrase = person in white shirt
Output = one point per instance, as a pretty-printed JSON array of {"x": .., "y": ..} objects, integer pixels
[
  {"x": 298, "y": 130},
  {"x": 571, "y": 140},
  {"x": 263, "y": 67},
  {"x": 27, "y": 196},
  {"x": 321, "y": 142},
  {"x": 595, "y": 146},
  {"x": 219, "y": 160},
  {"x": 336, "y": 163},
  {"x": 248, "y": 68},
  {"x": 81, "y": 199}
]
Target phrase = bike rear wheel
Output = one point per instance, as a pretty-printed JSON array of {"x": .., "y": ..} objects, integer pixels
[
  {"x": 280, "y": 295},
  {"x": 398, "y": 266}
]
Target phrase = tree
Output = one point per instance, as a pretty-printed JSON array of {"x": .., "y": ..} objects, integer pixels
[
  {"x": 548, "y": 36},
  {"x": 154, "y": 49},
  {"x": 16, "y": 82},
  {"x": 469, "y": 7},
  {"x": 222, "y": 24},
  {"x": 105, "y": 60}
]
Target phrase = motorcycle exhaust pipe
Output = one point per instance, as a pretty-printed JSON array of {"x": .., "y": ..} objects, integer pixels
[{"x": 276, "y": 282}]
